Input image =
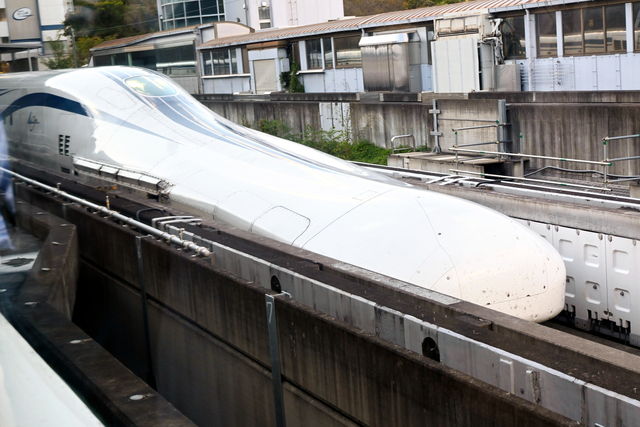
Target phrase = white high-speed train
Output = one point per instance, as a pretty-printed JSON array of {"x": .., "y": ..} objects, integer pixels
[{"x": 139, "y": 129}]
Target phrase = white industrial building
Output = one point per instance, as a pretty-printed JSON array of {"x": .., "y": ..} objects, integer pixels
[{"x": 463, "y": 47}]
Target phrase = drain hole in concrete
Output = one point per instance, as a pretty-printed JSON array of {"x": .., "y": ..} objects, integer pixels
[
  {"x": 430, "y": 349},
  {"x": 275, "y": 284}
]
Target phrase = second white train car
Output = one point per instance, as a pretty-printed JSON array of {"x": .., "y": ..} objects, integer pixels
[{"x": 143, "y": 131}]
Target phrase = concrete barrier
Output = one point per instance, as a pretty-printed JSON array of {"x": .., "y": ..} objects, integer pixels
[{"x": 40, "y": 310}]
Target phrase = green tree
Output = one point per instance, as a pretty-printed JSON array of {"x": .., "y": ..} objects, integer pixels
[
  {"x": 416, "y": 4},
  {"x": 60, "y": 58},
  {"x": 84, "y": 45},
  {"x": 112, "y": 18}
]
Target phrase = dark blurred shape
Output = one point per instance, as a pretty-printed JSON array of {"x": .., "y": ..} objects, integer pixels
[{"x": 7, "y": 205}]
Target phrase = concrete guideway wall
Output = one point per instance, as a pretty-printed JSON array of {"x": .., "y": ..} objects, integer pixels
[
  {"x": 41, "y": 310},
  {"x": 561, "y": 124},
  {"x": 210, "y": 349}
]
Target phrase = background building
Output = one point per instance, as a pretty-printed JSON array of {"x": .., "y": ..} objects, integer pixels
[
  {"x": 258, "y": 14},
  {"x": 36, "y": 22}
]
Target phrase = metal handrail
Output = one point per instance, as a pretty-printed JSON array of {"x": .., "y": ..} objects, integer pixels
[
  {"x": 185, "y": 244},
  {"x": 497, "y": 124},
  {"x": 533, "y": 156},
  {"x": 393, "y": 148},
  {"x": 604, "y": 145},
  {"x": 497, "y": 142},
  {"x": 564, "y": 184}
]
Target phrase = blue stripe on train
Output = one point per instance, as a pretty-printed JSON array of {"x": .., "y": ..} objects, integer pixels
[{"x": 46, "y": 100}]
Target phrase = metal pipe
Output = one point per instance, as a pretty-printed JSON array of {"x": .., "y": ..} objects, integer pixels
[
  {"x": 521, "y": 158},
  {"x": 533, "y": 156},
  {"x": 483, "y": 126},
  {"x": 619, "y": 159},
  {"x": 393, "y": 150},
  {"x": 479, "y": 143},
  {"x": 613, "y": 138},
  {"x": 199, "y": 250},
  {"x": 604, "y": 145},
  {"x": 436, "y": 133},
  {"x": 626, "y": 179},
  {"x": 456, "y": 144},
  {"x": 563, "y": 184}
]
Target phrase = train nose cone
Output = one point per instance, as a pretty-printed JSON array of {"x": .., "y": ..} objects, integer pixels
[
  {"x": 498, "y": 262},
  {"x": 451, "y": 246}
]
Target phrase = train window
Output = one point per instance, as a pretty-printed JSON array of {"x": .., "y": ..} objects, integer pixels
[
  {"x": 513, "y": 37},
  {"x": 151, "y": 86},
  {"x": 547, "y": 35}
]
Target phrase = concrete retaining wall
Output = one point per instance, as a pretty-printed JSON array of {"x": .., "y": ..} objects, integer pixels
[
  {"x": 210, "y": 347},
  {"x": 559, "y": 124},
  {"x": 40, "y": 310}
]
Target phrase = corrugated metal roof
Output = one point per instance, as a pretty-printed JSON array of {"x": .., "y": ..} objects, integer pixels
[
  {"x": 398, "y": 17},
  {"x": 126, "y": 41}
]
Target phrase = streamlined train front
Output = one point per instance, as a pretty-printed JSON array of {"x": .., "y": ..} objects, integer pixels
[{"x": 137, "y": 128}]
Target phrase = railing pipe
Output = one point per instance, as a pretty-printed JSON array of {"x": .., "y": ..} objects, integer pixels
[
  {"x": 604, "y": 169},
  {"x": 482, "y": 126},
  {"x": 563, "y": 184},
  {"x": 613, "y": 138},
  {"x": 199, "y": 250},
  {"x": 479, "y": 143},
  {"x": 521, "y": 158},
  {"x": 393, "y": 148},
  {"x": 533, "y": 156},
  {"x": 635, "y": 178},
  {"x": 619, "y": 159}
]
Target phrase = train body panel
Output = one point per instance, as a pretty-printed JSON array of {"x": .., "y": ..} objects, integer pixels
[{"x": 133, "y": 122}]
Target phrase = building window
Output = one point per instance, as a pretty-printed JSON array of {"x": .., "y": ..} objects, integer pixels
[
  {"x": 347, "y": 52},
  {"x": 220, "y": 62},
  {"x": 264, "y": 12},
  {"x": 547, "y": 34},
  {"x": 264, "y": 16},
  {"x": 616, "y": 28},
  {"x": 513, "y": 40},
  {"x": 572, "y": 32},
  {"x": 314, "y": 54},
  {"x": 101, "y": 61},
  {"x": 585, "y": 29},
  {"x": 328, "y": 53}
]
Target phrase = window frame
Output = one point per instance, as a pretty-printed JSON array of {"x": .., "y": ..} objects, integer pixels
[
  {"x": 524, "y": 37},
  {"x": 539, "y": 53},
  {"x": 606, "y": 50},
  {"x": 336, "y": 65},
  {"x": 226, "y": 59}
]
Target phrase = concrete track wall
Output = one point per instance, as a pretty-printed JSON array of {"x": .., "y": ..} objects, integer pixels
[
  {"x": 559, "y": 124},
  {"x": 210, "y": 348}
]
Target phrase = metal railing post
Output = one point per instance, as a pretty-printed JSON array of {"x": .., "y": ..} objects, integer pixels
[
  {"x": 151, "y": 379},
  {"x": 278, "y": 396},
  {"x": 604, "y": 145},
  {"x": 456, "y": 145},
  {"x": 521, "y": 158}
]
